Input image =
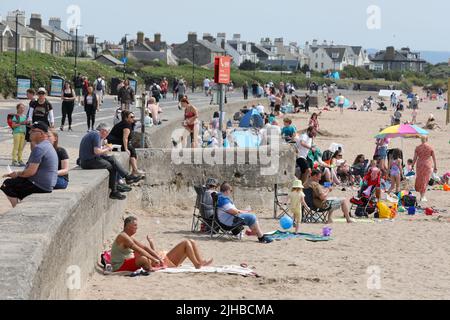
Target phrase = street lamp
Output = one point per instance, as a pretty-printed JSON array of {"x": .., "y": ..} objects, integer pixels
[
  {"x": 125, "y": 54},
  {"x": 95, "y": 47},
  {"x": 193, "y": 66},
  {"x": 18, "y": 13},
  {"x": 76, "y": 49}
]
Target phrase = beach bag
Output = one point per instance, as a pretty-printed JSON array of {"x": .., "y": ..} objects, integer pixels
[
  {"x": 409, "y": 200},
  {"x": 383, "y": 211}
]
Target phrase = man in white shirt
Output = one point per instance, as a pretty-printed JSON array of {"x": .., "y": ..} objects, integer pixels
[
  {"x": 99, "y": 87},
  {"x": 206, "y": 84},
  {"x": 304, "y": 144}
]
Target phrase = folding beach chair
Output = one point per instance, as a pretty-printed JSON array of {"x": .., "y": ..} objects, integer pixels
[
  {"x": 220, "y": 230},
  {"x": 280, "y": 202},
  {"x": 199, "y": 217},
  {"x": 313, "y": 214}
]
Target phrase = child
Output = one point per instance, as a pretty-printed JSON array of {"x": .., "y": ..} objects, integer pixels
[
  {"x": 19, "y": 130},
  {"x": 289, "y": 130},
  {"x": 297, "y": 200},
  {"x": 408, "y": 171},
  {"x": 395, "y": 174},
  {"x": 414, "y": 116},
  {"x": 372, "y": 180}
]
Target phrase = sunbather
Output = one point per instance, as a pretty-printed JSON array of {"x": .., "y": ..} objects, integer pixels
[{"x": 128, "y": 254}]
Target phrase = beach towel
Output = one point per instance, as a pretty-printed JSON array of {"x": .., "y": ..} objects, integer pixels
[
  {"x": 343, "y": 220},
  {"x": 237, "y": 270},
  {"x": 281, "y": 235}
]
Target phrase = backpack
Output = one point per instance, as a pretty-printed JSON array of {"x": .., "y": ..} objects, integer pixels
[
  {"x": 99, "y": 86},
  {"x": 327, "y": 155},
  {"x": 9, "y": 119},
  {"x": 409, "y": 201}
]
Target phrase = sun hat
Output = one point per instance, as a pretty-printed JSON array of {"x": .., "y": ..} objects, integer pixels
[
  {"x": 42, "y": 90},
  {"x": 297, "y": 184}
]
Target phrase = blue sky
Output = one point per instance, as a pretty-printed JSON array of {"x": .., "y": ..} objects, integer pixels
[{"x": 420, "y": 25}]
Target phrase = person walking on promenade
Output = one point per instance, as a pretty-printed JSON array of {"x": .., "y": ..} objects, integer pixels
[
  {"x": 68, "y": 103},
  {"x": 91, "y": 108}
]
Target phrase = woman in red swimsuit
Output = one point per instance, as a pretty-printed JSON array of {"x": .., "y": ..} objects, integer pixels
[{"x": 190, "y": 120}]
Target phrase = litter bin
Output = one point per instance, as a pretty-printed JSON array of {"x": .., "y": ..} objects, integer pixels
[
  {"x": 56, "y": 86},
  {"x": 23, "y": 83},
  {"x": 133, "y": 84}
]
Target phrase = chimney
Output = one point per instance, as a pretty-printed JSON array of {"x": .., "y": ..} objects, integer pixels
[
  {"x": 36, "y": 21},
  {"x": 390, "y": 53},
  {"x": 278, "y": 41},
  {"x": 192, "y": 37},
  {"x": 208, "y": 37},
  {"x": 55, "y": 23},
  {"x": 91, "y": 39},
  {"x": 11, "y": 17},
  {"x": 157, "y": 38},
  {"x": 140, "y": 37},
  {"x": 325, "y": 43},
  {"x": 237, "y": 36},
  {"x": 314, "y": 43}
]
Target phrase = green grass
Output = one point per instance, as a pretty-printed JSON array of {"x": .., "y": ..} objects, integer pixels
[{"x": 40, "y": 67}]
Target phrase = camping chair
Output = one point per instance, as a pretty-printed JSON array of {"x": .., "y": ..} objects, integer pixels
[
  {"x": 313, "y": 214},
  {"x": 280, "y": 202},
  {"x": 220, "y": 230},
  {"x": 198, "y": 217}
]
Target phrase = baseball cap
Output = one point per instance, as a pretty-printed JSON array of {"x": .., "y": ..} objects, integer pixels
[
  {"x": 40, "y": 125},
  {"x": 212, "y": 182},
  {"x": 42, "y": 90}
]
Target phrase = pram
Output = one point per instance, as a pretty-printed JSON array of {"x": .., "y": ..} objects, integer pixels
[{"x": 365, "y": 203}]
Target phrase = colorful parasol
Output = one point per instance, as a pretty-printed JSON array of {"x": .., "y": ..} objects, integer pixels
[{"x": 402, "y": 131}]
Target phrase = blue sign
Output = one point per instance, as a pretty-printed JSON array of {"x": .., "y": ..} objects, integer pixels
[
  {"x": 133, "y": 85},
  {"x": 23, "y": 85},
  {"x": 124, "y": 59},
  {"x": 56, "y": 87}
]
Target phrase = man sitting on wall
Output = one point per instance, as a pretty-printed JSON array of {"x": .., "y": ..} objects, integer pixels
[{"x": 41, "y": 172}]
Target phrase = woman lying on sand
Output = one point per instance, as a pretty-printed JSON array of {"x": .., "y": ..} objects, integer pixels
[{"x": 128, "y": 254}]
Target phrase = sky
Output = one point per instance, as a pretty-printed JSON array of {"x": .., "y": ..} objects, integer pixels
[{"x": 420, "y": 25}]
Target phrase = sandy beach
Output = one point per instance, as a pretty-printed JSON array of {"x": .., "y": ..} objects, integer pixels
[{"x": 406, "y": 258}]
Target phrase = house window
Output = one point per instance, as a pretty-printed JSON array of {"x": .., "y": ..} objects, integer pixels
[
  {"x": 317, "y": 65},
  {"x": 321, "y": 65},
  {"x": 335, "y": 55},
  {"x": 317, "y": 55}
]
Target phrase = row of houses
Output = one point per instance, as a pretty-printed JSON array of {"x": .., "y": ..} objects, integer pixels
[
  {"x": 51, "y": 38},
  {"x": 48, "y": 38}
]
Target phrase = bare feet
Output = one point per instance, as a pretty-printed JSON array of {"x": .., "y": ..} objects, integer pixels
[{"x": 207, "y": 263}]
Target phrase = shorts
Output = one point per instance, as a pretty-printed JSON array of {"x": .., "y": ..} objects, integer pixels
[
  {"x": 303, "y": 165},
  {"x": 78, "y": 92},
  {"x": 20, "y": 188},
  {"x": 128, "y": 265},
  {"x": 249, "y": 219},
  {"x": 382, "y": 153},
  {"x": 335, "y": 204},
  {"x": 340, "y": 105}
]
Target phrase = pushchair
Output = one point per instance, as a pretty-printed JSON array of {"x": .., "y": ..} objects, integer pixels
[{"x": 365, "y": 203}]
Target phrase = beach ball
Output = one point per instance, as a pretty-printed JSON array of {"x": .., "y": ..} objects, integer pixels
[{"x": 286, "y": 222}]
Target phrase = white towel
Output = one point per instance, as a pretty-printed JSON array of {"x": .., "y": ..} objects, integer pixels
[{"x": 247, "y": 272}]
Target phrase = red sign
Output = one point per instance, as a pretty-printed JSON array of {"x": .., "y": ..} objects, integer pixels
[{"x": 222, "y": 70}]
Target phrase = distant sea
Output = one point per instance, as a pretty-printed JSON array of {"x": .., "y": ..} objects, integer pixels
[{"x": 433, "y": 57}]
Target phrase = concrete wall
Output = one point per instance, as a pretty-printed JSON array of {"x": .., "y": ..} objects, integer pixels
[
  {"x": 49, "y": 237},
  {"x": 171, "y": 174}
]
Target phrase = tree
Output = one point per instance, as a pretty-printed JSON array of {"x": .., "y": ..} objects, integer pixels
[{"x": 247, "y": 65}]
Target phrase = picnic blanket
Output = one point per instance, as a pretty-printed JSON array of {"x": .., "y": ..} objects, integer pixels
[
  {"x": 282, "y": 235},
  {"x": 246, "y": 272}
]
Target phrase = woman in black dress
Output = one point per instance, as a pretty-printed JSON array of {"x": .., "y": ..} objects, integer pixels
[{"x": 90, "y": 107}]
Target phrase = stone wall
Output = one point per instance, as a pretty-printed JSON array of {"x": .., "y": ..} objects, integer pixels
[{"x": 49, "y": 238}]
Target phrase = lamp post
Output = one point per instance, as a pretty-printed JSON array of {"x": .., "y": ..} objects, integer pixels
[
  {"x": 17, "y": 47},
  {"x": 193, "y": 67},
  {"x": 95, "y": 47},
  {"x": 76, "y": 50},
  {"x": 125, "y": 54}
]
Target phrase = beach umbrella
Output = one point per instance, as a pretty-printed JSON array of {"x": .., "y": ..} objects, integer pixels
[
  {"x": 346, "y": 102},
  {"x": 402, "y": 131}
]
